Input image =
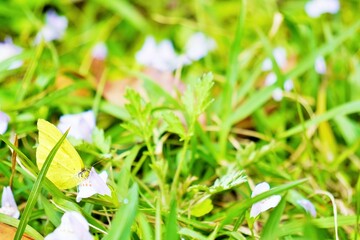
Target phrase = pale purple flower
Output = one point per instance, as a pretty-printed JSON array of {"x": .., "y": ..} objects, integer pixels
[
  {"x": 320, "y": 65},
  {"x": 160, "y": 56},
  {"x": 7, "y": 50},
  {"x": 53, "y": 29},
  {"x": 314, "y": 8},
  {"x": 4, "y": 121},
  {"x": 264, "y": 204},
  {"x": 99, "y": 51},
  {"x": 277, "y": 94},
  {"x": 198, "y": 46},
  {"x": 8, "y": 204},
  {"x": 308, "y": 206},
  {"x": 279, "y": 54},
  {"x": 73, "y": 226},
  {"x": 81, "y": 125},
  {"x": 288, "y": 85},
  {"x": 270, "y": 79},
  {"x": 94, "y": 184}
]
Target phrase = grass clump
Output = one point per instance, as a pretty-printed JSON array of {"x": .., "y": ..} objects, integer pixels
[{"x": 206, "y": 120}]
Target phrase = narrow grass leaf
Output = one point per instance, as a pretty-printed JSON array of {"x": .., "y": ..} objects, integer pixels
[
  {"x": 233, "y": 66},
  {"x": 271, "y": 227},
  {"x": 124, "y": 217},
  {"x": 294, "y": 227},
  {"x": 192, "y": 234},
  {"x": 325, "y": 49},
  {"x": 171, "y": 230},
  {"x": 37, "y": 188},
  {"x": 357, "y": 200},
  {"x": 251, "y": 104},
  {"x": 126, "y": 10},
  {"x": 344, "y": 109},
  {"x": 145, "y": 227}
]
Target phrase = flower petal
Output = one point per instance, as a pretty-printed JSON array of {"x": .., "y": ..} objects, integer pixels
[
  {"x": 73, "y": 226},
  {"x": 198, "y": 46},
  {"x": 8, "y": 50},
  {"x": 81, "y": 125},
  {"x": 94, "y": 184},
  {"x": 260, "y": 188},
  {"x": 308, "y": 206},
  {"x": 264, "y": 204},
  {"x": 8, "y": 204},
  {"x": 99, "y": 51},
  {"x": 4, "y": 121},
  {"x": 320, "y": 65}
]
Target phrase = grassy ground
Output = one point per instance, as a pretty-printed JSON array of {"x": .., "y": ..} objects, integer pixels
[{"x": 192, "y": 176}]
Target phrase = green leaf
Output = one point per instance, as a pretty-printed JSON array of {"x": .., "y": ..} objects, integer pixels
[
  {"x": 197, "y": 97},
  {"x": 272, "y": 225},
  {"x": 174, "y": 124},
  {"x": 201, "y": 208},
  {"x": 192, "y": 234},
  {"x": 127, "y": 11},
  {"x": 141, "y": 121},
  {"x": 102, "y": 143},
  {"x": 124, "y": 217},
  {"x": 344, "y": 109},
  {"x": 171, "y": 223}
]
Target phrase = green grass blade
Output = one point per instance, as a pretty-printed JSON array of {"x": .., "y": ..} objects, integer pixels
[
  {"x": 125, "y": 216},
  {"x": 126, "y": 10},
  {"x": 171, "y": 230},
  {"x": 357, "y": 200},
  {"x": 192, "y": 234},
  {"x": 145, "y": 227},
  {"x": 308, "y": 62},
  {"x": 294, "y": 227},
  {"x": 252, "y": 104},
  {"x": 233, "y": 66},
  {"x": 347, "y": 108},
  {"x": 271, "y": 227},
  {"x": 37, "y": 188}
]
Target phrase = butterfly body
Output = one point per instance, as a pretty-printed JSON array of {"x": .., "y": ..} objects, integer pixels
[{"x": 67, "y": 169}]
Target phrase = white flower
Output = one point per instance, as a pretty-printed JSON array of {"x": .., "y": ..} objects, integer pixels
[
  {"x": 73, "y": 226},
  {"x": 4, "y": 121},
  {"x": 279, "y": 54},
  {"x": 160, "y": 56},
  {"x": 8, "y": 50},
  {"x": 95, "y": 183},
  {"x": 288, "y": 85},
  {"x": 308, "y": 206},
  {"x": 264, "y": 204},
  {"x": 99, "y": 51},
  {"x": 198, "y": 46},
  {"x": 53, "y": 29},
  {"x": 277, "y": 94},
  {"x": 314, "y": 8},
  {"x": 8, "y": 204},
  {"x": 81, "y": 125},
  {"x": 270, "y": 79},
  {"x": 320, "y": 65}
]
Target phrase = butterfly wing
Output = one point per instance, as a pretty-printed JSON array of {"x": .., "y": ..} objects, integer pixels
[{"x": 66, "y": 165}]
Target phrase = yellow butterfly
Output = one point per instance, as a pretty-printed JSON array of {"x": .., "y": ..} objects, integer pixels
[{"x": 66, "y": 169}]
